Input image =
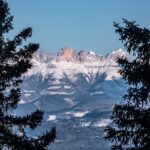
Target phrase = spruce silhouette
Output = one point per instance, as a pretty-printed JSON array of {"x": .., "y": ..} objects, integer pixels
[
  {"x": 15, "y": 60},
  {"x": 131, "y": 121}
]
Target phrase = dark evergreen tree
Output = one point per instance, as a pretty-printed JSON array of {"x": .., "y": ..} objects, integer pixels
[
  {"x": 15, "y": 60},
  {"x": 131, "y": 121}
]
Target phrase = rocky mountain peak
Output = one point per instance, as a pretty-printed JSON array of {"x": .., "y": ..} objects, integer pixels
[
  {"x": 66, "y": 54},
  {"x": 119, "y": 53}
]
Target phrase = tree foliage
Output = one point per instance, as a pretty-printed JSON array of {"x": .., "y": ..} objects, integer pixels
[
  {"x": 15, "y": 60},
  {"x": 131, "y": 121}
]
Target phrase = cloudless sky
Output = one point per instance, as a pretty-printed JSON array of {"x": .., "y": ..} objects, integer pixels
[{"x": 80, "y": 24}]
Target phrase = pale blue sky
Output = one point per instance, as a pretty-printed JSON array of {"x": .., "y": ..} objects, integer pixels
[{"x": 80, "y": 24}]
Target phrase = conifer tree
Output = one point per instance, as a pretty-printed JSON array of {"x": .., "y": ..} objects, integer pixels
[
  {"x": 131, "y": 120},
  {"x": 15, "y": 60}
]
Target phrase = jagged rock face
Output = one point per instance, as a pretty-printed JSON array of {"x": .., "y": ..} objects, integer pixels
[
  {"x": 70, "y": 55},
  {"x": 66, "y": 54},
  {"x": 43, "y": 57},
  {"x": 84, "y": 56}
]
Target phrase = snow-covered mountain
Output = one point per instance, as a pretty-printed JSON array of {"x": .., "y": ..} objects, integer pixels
[
  {"x": 71, "y": 62},
  {"x": 77, "y": 91}
]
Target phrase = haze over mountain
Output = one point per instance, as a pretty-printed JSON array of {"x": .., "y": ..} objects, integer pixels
[{"x": 77, "y": 91}]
